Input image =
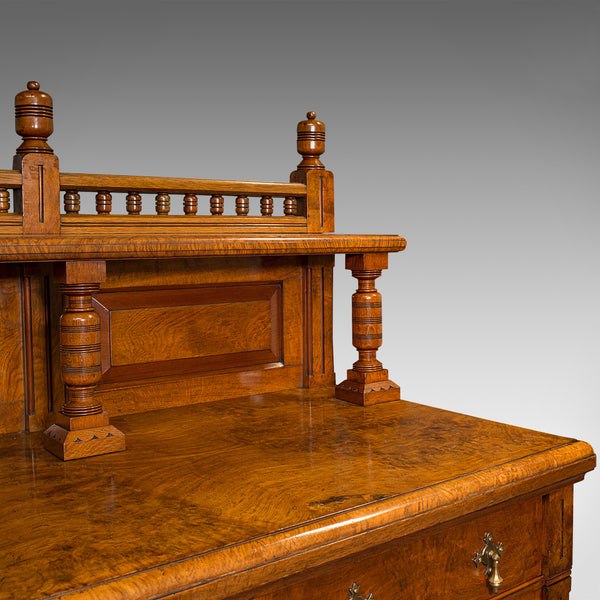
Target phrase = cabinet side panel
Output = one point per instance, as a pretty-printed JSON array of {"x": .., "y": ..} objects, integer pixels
[{"x": 12, "y": 380}]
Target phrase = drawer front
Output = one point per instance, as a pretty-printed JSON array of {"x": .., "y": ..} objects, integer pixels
[{"x": 434, "y": 564}]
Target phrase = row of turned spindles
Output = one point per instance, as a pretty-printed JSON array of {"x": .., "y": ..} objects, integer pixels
[{"x": 133, "y": 204}]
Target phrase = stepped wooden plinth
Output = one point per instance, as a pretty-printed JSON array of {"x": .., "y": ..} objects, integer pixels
[{"x": 78, "y": 437}]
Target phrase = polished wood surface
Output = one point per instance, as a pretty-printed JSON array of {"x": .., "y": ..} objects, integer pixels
[
  {"x": 254, "y": 489},
  {"x": 198, "y": 313},
  {"x": 28, "y": 249},
  {"x": 388, "y": 571}
]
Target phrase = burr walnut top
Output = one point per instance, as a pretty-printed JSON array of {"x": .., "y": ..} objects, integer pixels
[{"x": 252, "y": 483}]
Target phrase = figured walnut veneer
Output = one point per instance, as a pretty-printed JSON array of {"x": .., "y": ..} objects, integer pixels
[
  {"x": 198, "y": 315},
  {"x": 231, "y": 494}
]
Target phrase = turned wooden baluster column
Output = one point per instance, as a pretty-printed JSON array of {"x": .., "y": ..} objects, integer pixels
[
  {"x": 82, "y": 427},
  {"x": 367, "y": 381}
]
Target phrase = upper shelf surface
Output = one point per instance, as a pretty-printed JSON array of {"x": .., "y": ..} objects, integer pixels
[{"x": 49, "y": 248}]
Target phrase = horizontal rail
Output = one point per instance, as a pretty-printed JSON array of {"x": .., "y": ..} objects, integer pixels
[
  {"x": 135, "y": 225},
  {"x": 175, "y": 220},
  {"x": 10, "y": 179},
  {"x": 130, "y": 183}
]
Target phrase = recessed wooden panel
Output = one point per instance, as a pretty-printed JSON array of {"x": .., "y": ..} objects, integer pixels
[
  {"x": 148, "y": 334},
  {"x": 176, "y": 331}
]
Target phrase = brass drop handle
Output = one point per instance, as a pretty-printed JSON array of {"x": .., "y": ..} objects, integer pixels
[
  {"x": 354, "y": 595},
  {"x": 489, "y": 557}
]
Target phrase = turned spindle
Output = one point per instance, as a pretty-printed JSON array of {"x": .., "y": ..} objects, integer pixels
[
  {"x": 103, "y": 203},
  {"x": 4, "y": 200},
  {"x": 72, "y": 202},
  {"x": 311, "y": 142},
  {"x": 290, "y": 206},
  {"x": 216, "y": 205},
  {"x": 190, "y": 204},
  {"x": 133, "y": 203},
  {"x": 163, "y": 203},
  {"x": 367, "y": 382},
  {"x": 242, "y": 205},
  {"x": 80, "y": 341},
  {"x": 33, "y": 119},
  {"x": 82, "y": 427},
  {"x": 266, "y": 206}
]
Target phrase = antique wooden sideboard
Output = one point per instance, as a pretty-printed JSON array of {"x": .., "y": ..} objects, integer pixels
[{"x": 181, "y": 366}]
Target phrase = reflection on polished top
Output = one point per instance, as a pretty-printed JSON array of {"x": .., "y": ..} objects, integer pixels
[{"x": 203, "y": 484}]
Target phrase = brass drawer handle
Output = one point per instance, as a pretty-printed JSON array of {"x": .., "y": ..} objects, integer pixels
[
  {"x": 489, "y": 557},
  {"x": 354, "y": 595}
]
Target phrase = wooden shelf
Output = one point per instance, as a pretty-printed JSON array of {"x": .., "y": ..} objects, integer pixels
[{"x": 72, "y": 248}]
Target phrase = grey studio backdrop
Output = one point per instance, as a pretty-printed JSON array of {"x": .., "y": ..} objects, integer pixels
[{"x": 471, "y": 128}]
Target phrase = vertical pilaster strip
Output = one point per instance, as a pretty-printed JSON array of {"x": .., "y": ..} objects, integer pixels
[
  {"x": 318, "y": 317},
  {"x": 557, "y": 543}
]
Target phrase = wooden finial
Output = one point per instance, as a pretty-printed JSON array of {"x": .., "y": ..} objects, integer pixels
[
  {"x": 311, "y": 142},
  {"x": 33, "y": 119}
]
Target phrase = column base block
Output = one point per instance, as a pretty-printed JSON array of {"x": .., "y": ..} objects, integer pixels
[
  {"x": 367, "y": 393},
  {"x": 80, "y": 443}
]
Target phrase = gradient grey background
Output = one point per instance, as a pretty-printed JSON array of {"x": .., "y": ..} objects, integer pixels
[{"x": 471, "y": 128}]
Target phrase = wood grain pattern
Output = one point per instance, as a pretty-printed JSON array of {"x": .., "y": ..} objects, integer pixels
[
  {"x": 39, "y": 373},
  {"x": 150, "y": 326},
  {"x": 236, "y": 493},
  {"x": 12, "y": 365},
  {"x": 193, "y": 375},
  {"x": 388, "y": 571},
  {"x": 558, "y": 542},
  {"x": 139, "y": 395},
  {"x": 10, "y": 179},
  {"x": 105, "y": 248},
  {"x": 38, "y": 199},
  {"x": 318, "y": 321},
  {"x": 238, "y": 485},
  {"x": 175, "y": 185},
  {"x": 111, "y": 225}
]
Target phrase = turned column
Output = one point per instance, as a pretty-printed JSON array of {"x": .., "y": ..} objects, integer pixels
[
  {"x": 367, "y": 382},
  {"x": 82, "y": 427}
]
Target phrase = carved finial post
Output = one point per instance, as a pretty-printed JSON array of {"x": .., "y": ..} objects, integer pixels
[
  {"x": 33, "y": 119},
  {"x": 311, "y": 142},
  {"x": 38, "y": 199},
  {"x": 317, "y": 206}
]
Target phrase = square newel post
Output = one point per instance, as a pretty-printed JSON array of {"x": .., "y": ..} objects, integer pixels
[
  {"x": 82, "y": 427},
  {"x": 367, "y": 381}
]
